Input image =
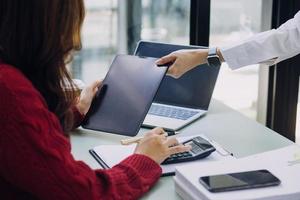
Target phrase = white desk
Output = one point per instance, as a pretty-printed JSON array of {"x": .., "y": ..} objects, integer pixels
[{"x": 233, "y": 131}]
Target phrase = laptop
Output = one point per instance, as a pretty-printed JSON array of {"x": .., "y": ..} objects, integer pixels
[{"x": 178, "y": 102}]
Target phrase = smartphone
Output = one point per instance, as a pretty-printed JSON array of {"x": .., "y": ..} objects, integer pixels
[{"x": 239, "y": 181}]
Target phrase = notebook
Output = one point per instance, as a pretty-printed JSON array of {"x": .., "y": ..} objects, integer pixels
[{"x": 110, "y": 155}]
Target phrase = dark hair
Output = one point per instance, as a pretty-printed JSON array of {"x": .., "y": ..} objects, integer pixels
[{"x": 38, "y": 37}]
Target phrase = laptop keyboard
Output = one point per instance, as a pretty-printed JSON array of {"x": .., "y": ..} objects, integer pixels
[{"x": 171, "y": 112}]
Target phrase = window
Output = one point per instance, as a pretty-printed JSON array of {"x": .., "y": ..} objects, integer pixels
[
  {"x": 99, "y": 39},
  {"x": 235, "y": 20},
  {"x": 166, "y": 20}
]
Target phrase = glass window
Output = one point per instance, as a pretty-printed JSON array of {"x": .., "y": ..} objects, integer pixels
[
  {"x": 167, "y": 21},
  {"x": 235, "y": 20},
  {"x": 156, "y": 20},
  {"x": 99, "y": 40}
]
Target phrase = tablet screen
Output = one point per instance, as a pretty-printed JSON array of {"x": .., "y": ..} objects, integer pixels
[{"x": 126, "y": 95}]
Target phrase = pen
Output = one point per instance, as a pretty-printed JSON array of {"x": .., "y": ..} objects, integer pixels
[{"x": 137, "y": 139}]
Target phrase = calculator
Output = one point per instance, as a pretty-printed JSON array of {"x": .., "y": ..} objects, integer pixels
[{"x": 201, "y": 148}]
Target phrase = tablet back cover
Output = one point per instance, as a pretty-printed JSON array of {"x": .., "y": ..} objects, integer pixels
[{"x": 127, "y": 92}]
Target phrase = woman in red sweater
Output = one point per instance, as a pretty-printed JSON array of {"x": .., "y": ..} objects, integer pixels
[{"x": 37, "y": 38}]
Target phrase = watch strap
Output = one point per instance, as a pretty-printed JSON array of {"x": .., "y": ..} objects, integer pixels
[
  {"x": 212, "y": 51},
  {"x": 213, "y": 57}
]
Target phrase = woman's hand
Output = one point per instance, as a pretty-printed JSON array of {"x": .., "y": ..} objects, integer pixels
[
  {"x": 185, "y": 60},
  {"x": 86, "y": 97},
  {"x": 158, "y": 147}
]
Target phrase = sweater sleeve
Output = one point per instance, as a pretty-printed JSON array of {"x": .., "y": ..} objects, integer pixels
[
  {"x": 36, "y": 157},
  {"x": 77, "y": 116}
]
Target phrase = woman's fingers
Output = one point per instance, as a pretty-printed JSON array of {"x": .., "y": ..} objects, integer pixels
[
  {"x": 174, "y": 71},
  {"x": 98, "y": 83},
  {"x": 95, "y": 86},
  {"x": 171, "y": 142},
  {"x": 175, "y": 147},
  {"x": 179, "y": 149},
  {"x": 155, "y": 132},
  {"x": 158, "y": 131},
  {"x": 166, "y": 59}
]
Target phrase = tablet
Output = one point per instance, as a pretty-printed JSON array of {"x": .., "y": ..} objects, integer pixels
[{"x": 121, "y": 105}]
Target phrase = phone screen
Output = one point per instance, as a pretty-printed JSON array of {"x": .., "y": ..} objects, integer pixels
[{"x": 238, "y": 181}]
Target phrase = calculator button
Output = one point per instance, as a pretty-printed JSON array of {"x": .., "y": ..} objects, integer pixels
[
  {"x": 195, "y": 147},
  {"x": 196, "y": 150}
]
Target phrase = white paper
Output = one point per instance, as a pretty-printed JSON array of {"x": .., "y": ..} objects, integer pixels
[{"x": 114, "y": 154}]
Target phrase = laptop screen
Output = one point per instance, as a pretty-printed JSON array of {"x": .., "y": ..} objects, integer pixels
[{"x": 193, "y": 90}]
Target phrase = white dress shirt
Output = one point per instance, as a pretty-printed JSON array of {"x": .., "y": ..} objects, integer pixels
[{"x": 268, "y": 47}]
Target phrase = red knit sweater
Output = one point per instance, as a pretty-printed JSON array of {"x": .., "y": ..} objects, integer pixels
[{"x": 36, "y": 160}]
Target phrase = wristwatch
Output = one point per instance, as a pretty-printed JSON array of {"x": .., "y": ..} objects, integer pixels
[{"x": 213, "y": 58}]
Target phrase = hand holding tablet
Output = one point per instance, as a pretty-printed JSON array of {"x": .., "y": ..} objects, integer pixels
[{"x": 126, "y": 95}]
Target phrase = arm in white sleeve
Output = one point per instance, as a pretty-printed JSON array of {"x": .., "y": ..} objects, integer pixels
[{"x": 268, "y": 47}]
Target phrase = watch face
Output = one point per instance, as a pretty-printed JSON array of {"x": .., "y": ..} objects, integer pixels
[{"x": 214, "y": 61}]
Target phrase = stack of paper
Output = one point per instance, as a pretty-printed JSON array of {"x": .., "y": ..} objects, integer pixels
[{"x": 284, "y": 163}]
